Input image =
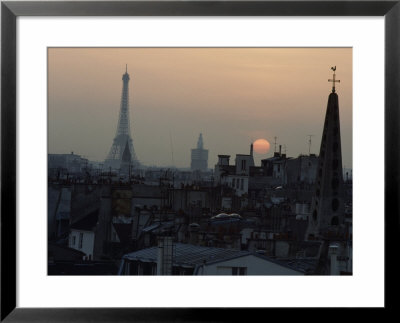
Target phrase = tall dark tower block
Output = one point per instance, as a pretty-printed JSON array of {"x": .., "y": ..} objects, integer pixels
[
  {"x": 327, "y": 209},
  {"x": 199, "y": 156},
  {"x": 123, "y": 134}
]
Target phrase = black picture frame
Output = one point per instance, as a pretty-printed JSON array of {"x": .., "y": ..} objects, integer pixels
[{"x": 10, "y": 10}]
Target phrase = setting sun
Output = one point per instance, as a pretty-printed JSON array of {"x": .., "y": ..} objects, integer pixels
[{"x": 261, "y": 146}]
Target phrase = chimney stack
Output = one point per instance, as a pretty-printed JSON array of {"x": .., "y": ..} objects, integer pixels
[
  {"x": 333, "y": 251},
  {"x": 165, "y": 256}
]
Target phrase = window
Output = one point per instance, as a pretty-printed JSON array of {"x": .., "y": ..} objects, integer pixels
[
  {"x": 80, "y": 240},
  {"x": 73, "y": 240},
  {"x": 241, "y": 183},
  {"x": 335, "y": 221},
  {"x": 242, "y": 271},
  {"x": 233, "y": 182},
  {"x": 243, "y": 165}
]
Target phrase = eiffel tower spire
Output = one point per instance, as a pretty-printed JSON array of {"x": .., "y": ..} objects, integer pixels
[{"x": 123, "y": 133}]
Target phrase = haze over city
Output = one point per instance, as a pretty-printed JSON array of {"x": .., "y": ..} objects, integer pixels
[
  {"x": 239, "y": 183},
  {"x": 232, "y": 96}
]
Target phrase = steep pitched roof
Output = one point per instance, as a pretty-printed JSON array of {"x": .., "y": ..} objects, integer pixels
[{"x": 88, "y": 223}]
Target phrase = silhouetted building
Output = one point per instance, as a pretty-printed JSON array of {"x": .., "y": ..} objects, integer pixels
[
  {"x": 62, "y": 164},
  {"x": 302, "y": 171},
  {"x": 235, "y": 176},
  {"x": 199, "y": 156},
  {"x": 82, "y": 234}
]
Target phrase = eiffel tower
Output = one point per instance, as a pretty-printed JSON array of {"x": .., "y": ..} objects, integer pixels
[{"x": 123, "y": 139}]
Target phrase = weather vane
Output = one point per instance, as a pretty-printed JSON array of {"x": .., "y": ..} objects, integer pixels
[{"x": 334, "y": 80}]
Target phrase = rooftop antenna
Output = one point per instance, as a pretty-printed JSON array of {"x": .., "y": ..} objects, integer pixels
[
  {"x": 126, "y": 68},
  {"x": 275, "y": 143},
  {"x": 334, "y": 79},
  {"x": 309, "y": 144},
  {"x": 172, "y": 149}
]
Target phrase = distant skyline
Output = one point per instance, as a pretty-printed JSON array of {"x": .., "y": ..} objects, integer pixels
[{"x": 233, "y": 96}]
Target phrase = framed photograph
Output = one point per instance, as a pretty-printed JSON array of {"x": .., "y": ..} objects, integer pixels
[{"x": 146, "y": 143}]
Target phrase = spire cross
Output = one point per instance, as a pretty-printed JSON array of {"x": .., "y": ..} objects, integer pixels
[{"x": 334, "y": 79}]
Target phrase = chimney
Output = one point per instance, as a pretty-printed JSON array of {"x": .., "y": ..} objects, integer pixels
[
  {"x": 251, "y": 149},
  {"x": 194, "y": 233},
  {"x": 280, "y": 149},
  {"x": 333, "y": 252},
  {"x": 165, "y": 256}
]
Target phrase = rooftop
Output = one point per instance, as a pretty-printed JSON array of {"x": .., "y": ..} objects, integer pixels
[
  {"x": 187, "y": 255},
  {"x": 87, "y": 223}
]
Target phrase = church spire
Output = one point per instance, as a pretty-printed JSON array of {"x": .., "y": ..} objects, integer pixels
[
  {"x": 334, "y": 80},
  {"x": 200, "y": 142},
  {"x": 327, "y": 210}
]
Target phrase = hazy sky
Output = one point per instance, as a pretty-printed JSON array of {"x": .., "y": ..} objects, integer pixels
[{"x": 231, "y": 95}]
